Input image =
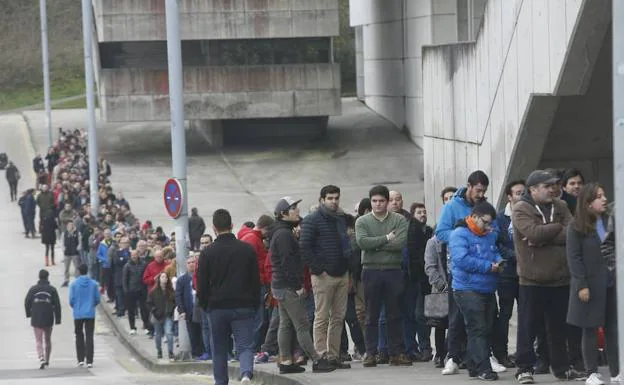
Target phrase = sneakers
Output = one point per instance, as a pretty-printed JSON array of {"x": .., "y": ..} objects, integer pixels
[
  {"x": 290, "y": 369},
  {"x": 506, "y": 361},
  {"x": 370, "y": 361},
  {"x": 400, "y": 360},
  {"x": 132, "y": 332},
  {"x": 261, "y": 358},
  {"x": 81, "y": 364},
  {"x": 322, "y": 366},
  {"x": 42, "y": 363},
  {"x": 90, "y": 366},
  {"x": 356, "y": 357},
  {"x": 524, "y": 378},
  {"x": 571, "y": 374},
  {"x": 617, "y": 379},
  {"x": 245, "y": 380},
  {"x": 496, "y": 367},
  {"x": 171, "y": 356},
  {"x": 488, "y": 376},
  {"x": 450, "y": 368},
  {"x": 594, "y": 379}
]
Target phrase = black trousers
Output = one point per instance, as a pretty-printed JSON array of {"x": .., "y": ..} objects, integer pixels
[
  {"x": 83, "y": 328},
  {"x": 195, "y": 336},
  {"x": 13, "y": 189},
  {"x": 137, "y": 300},
  {"x": 535, "y": 302}
]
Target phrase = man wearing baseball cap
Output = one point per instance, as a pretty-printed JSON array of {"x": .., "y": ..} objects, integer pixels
[
  {"x": 287, "y": 288},
  {"x": 539, "y": 223}
]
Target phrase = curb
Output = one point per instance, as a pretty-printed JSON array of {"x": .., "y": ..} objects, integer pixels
[
  {"x": 150, "y": 363},
  {"x": 31, "y": 134}
]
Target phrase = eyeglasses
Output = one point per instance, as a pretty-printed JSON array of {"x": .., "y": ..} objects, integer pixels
[{"x": 485, "y": 223}]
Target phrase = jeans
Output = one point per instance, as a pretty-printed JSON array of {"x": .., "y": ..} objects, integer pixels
[
  {"x": 357, "y": 335},
  {"x": 383, "y": 287},
  {"x": 120, "y": 301},
  {"x": 507, "y": 295},
  {"x": 478, "y": 311},
  {"x": 83, "y": 329},
  {"x": 533, "y": 303},
  {"x": 240, "y": 322},
  {"x": 330, "y": 300},
  {"x": 163, "y": 327},
  {"x": 134, "y": 300},
  {"x": 590, "y": 339},
  {"x": 456, "y": 337},
  {"x": 68, "y": 260},
  {"x": 259, "y": 321},
  {"x": 206, "y": 335},
  {"x": 43, "y": 335},
  {"x": 293, "y": 317},
  {"x": 382, "y": 340}
]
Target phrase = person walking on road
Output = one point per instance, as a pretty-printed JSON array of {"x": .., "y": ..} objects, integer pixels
[
  {"x": 228, "y": 283},
  {"x": 28, "y": 208},
  {"x": 43, "y": 307},
  {"x": 197, "y": 226},
  {"x": 12, "y": 176},
  {"x": 84, "y": 296}
]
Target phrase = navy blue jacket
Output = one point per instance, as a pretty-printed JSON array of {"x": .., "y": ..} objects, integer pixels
[
  {"x": 28, "y": 206},
  {"x": 324, "y": 243},
  {"x": 121, "y": 258},
  {"x": 506, "y": 246},
  {"x": 184, "y": 295}
]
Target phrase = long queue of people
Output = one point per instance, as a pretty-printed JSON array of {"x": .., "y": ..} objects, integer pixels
[{"x": 382, "y": 272}]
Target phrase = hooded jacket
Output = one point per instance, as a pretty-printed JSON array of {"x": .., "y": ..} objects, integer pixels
[
  {"x": 102, "y": 253},
  {"x": 325, "y": 245},
  {"x": 539, "y": 234},
  {"x": 84, "y": 296},
  {"x": 254, "y": 238},
  {"x": 458, "y": 208},
  {"x": 43, "y": 306},
  {"x": 472, "y": 257},
  {"x": 286, "y": 262}
]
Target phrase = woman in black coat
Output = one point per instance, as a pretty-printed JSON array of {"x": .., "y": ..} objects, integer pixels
[
  {"x": 48, "y": 236},
  {"x": 592, "y": 300}
]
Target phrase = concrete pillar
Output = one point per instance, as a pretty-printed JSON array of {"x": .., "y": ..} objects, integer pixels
[
  {"x": 469, "y": 18},
  {"x": 359, "y": 62},
  {"x": 211, "y": 130}
]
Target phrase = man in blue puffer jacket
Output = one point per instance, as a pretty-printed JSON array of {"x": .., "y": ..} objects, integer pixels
[
  {"x": 475, "y": 264},
  {"x": 83, "y": 298}
]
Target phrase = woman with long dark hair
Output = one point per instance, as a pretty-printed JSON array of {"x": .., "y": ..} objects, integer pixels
[
  {"x": 161, "y": 302},
  {"x": 592, "y": 300}
]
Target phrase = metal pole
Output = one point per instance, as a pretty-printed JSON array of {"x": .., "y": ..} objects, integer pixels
[
  {"x": 178, "y": 139},
  {"x": 46, "y": 69},
  {"x": 618, "y": 159},
  {"x": 87, "y": 30}
]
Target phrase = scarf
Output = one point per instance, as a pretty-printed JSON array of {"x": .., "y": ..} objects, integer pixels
[{"x": 472, "y": 225}]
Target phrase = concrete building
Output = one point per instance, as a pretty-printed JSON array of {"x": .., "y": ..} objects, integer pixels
[
  {"x": 243, "y": 60},
  {"x": 505, "y": 86}
]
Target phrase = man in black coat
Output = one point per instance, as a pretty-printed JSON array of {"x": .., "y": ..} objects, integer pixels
[
  {"x": 197, "y": 226},
  {"x": 29, "y": 209},
  {"x": 12, "y": 176},
  {"x": 228, "y": 288},
  {"x": 43, "y": 307}
]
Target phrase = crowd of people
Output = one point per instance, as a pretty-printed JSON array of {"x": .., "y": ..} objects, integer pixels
[{"x": 285, "y": 289}]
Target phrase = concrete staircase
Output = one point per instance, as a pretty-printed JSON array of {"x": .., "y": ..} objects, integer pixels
[{"x": 489, "y": 104}]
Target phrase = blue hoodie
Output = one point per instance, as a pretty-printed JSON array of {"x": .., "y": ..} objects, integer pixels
[
  {"x": 472, "y": 257},
  {"x": 84, "y": 296},
  {"x": 452, "y": 212},
  {"x": 102, "y": 254}
]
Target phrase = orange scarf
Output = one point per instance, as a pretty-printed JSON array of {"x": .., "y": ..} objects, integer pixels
[{"x": 474, "y": 227}]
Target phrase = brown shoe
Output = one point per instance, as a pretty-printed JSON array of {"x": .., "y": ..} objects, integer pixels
[
  {"x": 370, "y": 361},
  {"x": 400, "y": 360}
]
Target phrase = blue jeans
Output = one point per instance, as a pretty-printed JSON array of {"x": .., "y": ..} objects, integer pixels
[
  {"x": 206, "y": 335},
  {"x": 382, "y": 341},
  {"x": 478, "y": 310},
  {"x": 241, "y": 323},
  {"x": 259, "y": 321},
  {"x": 120, "y": 301},
  {"x": 165, "y": 327}
]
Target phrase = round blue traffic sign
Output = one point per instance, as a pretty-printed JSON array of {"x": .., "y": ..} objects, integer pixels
[{"x": 173, "y": 197}]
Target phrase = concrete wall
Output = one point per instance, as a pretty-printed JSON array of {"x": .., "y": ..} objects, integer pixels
[
  {"x": 224, "y": 92},
  {"x": 489, "y": 105},
  {"x": 393, "y": 34},
  {"x": 119, "y": 20}
]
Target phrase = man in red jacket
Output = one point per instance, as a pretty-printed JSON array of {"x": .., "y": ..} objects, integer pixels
[
  {"x": 255, "y": 237},
  {"x": 153, "y": 270}
]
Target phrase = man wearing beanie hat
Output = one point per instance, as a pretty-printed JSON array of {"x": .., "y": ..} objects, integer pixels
[
  {"x": 44, "y": 310},
  {"x": 539, "y": 223}
]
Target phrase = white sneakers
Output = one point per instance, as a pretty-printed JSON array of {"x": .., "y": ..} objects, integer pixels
[
  {"x": 594, "y": 379},
  {"x": 619, "y": 379},
  {"x": 132, "y": 332},
  {"x": 81, "y": 364},
  {"x": 450, "y": 368},
  {"x": 245, "y": 381},
  {"x": 496, "y": 367}
]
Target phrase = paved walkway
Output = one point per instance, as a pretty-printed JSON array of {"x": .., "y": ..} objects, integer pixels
[{"x": 21, "y": 260}]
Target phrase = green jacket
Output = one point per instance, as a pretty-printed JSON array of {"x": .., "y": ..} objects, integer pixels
[{"x": 377, "y": 251}]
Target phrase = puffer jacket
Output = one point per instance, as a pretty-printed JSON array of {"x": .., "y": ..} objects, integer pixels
[{"x": 472, "y": 257}]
